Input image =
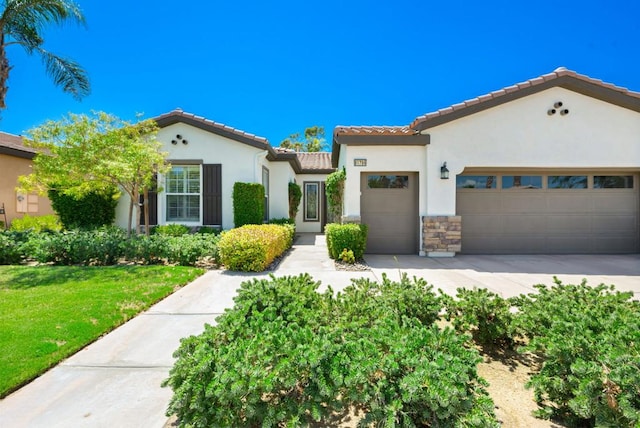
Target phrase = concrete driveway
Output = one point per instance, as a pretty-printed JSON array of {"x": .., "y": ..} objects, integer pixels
[{"x": 510, "y": 275}]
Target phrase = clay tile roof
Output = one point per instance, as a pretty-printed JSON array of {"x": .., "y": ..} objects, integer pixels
[
  {"x": 373, "y": 130},
  {"x": 559, "y": 77},
  {"x": 178, "y": 115},
  {"x": 315, "y": 162},
  {"x": 14, "y": 145}
]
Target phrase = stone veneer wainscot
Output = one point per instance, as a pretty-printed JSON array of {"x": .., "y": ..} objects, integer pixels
[{"x": 441, "y": 234}]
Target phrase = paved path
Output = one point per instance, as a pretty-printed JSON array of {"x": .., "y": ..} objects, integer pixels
[{"x": 115, "y": 382}]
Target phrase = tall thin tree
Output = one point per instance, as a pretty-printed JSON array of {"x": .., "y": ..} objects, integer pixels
[{"x": 22, "y": 23}]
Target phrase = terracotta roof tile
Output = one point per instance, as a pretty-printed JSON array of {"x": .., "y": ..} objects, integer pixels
[
  {"x": 179, "y": 113},
  {"x": 373, "y": 130},
  {"x": 496, "y": 95},
  {"x": 317, "y": 161}
]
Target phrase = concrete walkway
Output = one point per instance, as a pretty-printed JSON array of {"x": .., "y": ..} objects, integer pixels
[{"x": 115, "y": 382}]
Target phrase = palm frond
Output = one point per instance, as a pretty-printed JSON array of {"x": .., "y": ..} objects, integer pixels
[
  {"x": 66, "y": 73},
  {"x": 40, "y": 12}
]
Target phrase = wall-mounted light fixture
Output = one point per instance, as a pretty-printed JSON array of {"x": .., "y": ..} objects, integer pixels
[{"x": 444, "y": 172}]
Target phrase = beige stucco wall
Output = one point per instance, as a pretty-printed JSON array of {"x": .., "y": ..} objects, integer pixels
[{"x": 12, "y": 167}]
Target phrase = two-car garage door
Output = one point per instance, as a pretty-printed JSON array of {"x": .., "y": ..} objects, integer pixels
[{"x": 549, "y": 213}]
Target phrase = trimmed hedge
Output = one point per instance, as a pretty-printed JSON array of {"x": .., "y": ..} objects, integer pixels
[
  {"x": 346, "y": 236},
  {"x": 248, "y": 203},
  {"x": 251, "y": 248},
  {"x": 106, "y": 246},
  {"x": 91, "y": 211}
]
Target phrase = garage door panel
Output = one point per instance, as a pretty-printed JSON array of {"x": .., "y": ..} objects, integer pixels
[
  {"x": 614, "y": 203},
  {"x": 483, "y": 202},
  {"x": 523, "y": 203},
  {"x": 522, "y": 224},
  {"x": 391, "y": 214},
  {"x": 567, "y": 201},
  {"x": 569, "y": 224},
  {"x": 591, "y": 220},
  {"x": 615, "y": 223}
]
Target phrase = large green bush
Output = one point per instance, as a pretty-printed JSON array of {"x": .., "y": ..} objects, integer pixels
[
  {"x": 286, "y": 355},
  {"x": 346, "y": 236},
  {"x": 251, "y": 248},
  {"x": 91, "y": 211},
  {"x": 334, "y": 189},
  {"x": 589, "y": 342},
  {"x": 248, "y": 203},
  {"x": 295, "y": 196},
  {"x": 483, "y": 313}
]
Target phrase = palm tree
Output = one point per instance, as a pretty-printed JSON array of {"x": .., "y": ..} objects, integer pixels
[{"x": 21, "y": 23}]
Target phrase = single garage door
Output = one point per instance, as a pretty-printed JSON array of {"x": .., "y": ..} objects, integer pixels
[
  {"x": 389, "y": 206},
  {"x": 549, "y": 213}
]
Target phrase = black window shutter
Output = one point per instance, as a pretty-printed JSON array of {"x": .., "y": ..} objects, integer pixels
[
  {"x": 212, "y": 194},
  {"x": 153, "y": 204}
]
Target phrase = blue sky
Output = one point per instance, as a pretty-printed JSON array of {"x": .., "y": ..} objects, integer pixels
[{"x": 274, "y": 68}]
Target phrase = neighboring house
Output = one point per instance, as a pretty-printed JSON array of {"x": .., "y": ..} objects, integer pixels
[
  {"x": 15, "y": 160},
  {"x": 550, "y": 165},
  {"x": 207, "y": 158}
]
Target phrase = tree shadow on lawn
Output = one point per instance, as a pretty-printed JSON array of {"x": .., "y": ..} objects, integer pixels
[{"x": 25, "y": 277}]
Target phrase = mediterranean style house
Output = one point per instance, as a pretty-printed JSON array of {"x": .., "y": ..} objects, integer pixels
[
  {"x": 550, "y": 165},
  {"x": 15, "y": 160},
  {"x": 207, "y": 158}
]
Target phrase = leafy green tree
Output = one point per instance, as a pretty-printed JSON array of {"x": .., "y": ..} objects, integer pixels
[
  {"x": 81, "y": 154},
  {"x": 22, "y": 23},
  {"x": 313, "y": 140}
]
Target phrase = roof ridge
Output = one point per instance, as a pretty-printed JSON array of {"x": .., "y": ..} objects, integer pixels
[
  {"x": 219, "y": 125},
  {"x": 530, "y": 83}
]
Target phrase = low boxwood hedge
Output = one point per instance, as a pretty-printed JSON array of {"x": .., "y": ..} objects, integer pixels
[
  {"x": 342, "y": 237},
  {"x": 251, "y": 248}
]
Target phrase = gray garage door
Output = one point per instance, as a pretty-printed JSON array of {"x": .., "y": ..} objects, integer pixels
[
  {"x": 389, "y": 206},
  {"x": 549, "y": 213}
]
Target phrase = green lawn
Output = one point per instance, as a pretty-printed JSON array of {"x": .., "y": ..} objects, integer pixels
[{"x": 47, "y": 313}]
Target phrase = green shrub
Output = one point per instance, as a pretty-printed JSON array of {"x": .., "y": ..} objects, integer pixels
[
  {"x": 366, "y": 301},
  {"x": 11, "y": 249},
  {"x": 285, "y": 355},
  {"x": 295, "y": 196},
  {"x": 346, "y": 236},
  {"x": 248, "y": 203},
  {"x": 91, "y": 211},
  {"x": 251, "y": 248},
  {"x": 208, "y": 230},
  {"x": 149, "y": 250},
  {"x": 346, "y": 256},
  {"x": 186, "y": 250},
  {"x": 283, "y": 220},
  {"x": 170, "y": 230},
  {"x": 484, "y": 314},
  {"x": 92, "y": 247},
  {"x": 334, "y": 189},
  {"x": 589, "y": 341},
  {"x": 37, "y": 223}
]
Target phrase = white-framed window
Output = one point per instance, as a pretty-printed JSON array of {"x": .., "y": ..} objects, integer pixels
[{"x": 182, "y": 189}]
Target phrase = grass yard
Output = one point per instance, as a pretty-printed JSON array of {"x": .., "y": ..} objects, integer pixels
[{"x": 48, "y": 312}]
